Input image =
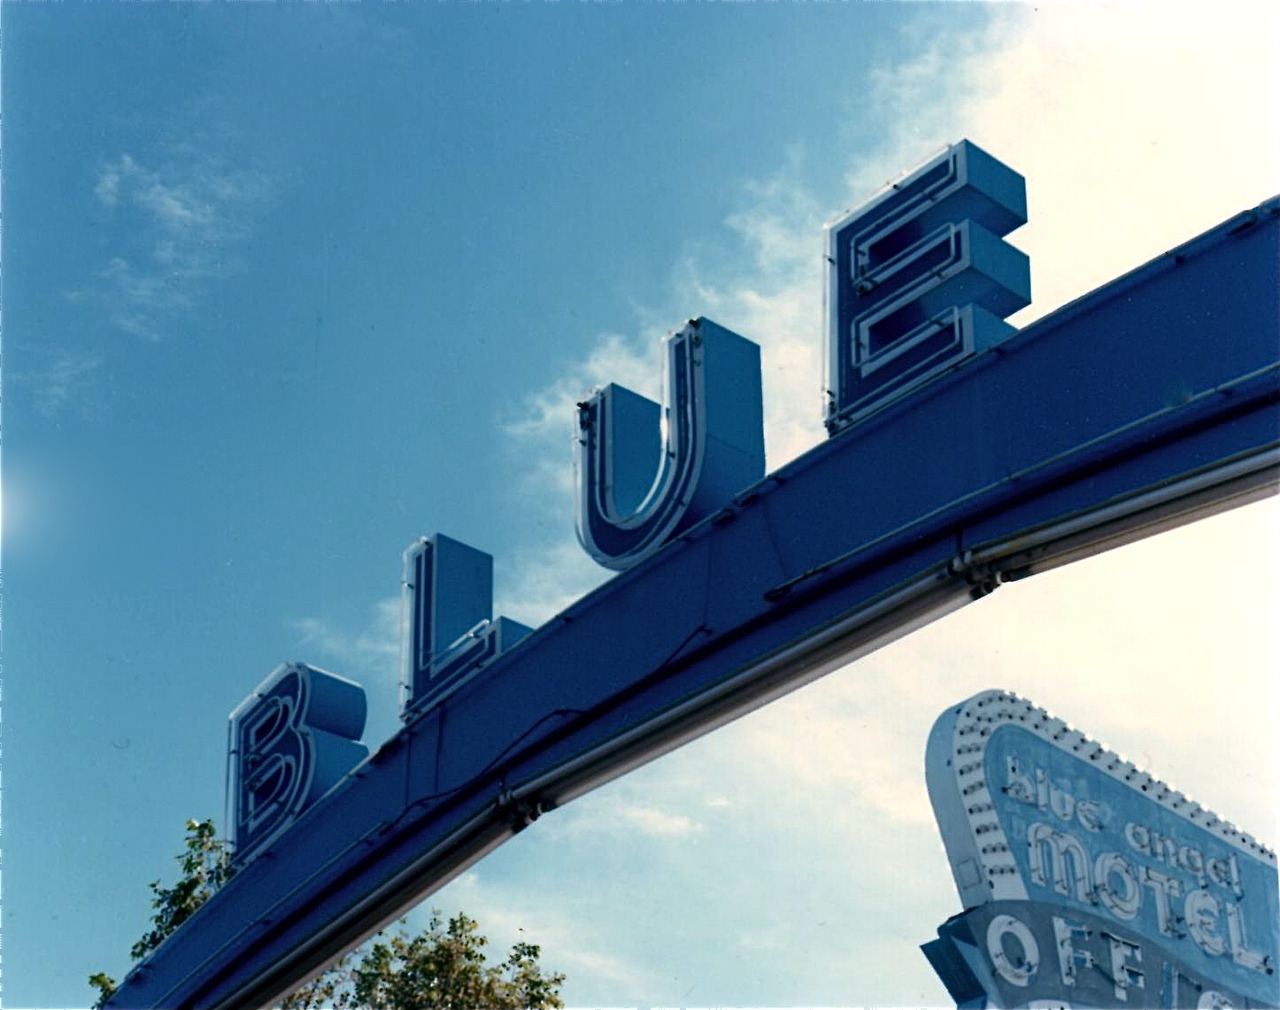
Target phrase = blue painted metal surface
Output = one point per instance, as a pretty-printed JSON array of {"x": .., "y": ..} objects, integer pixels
[
  {"x": 635, "y": 493},
  {"x": 1031, "y": 809},
  {"x": 919, "y": 280},
  {"x": 1151, "y": 402}
]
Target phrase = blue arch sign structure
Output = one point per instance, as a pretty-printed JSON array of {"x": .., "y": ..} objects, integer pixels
[
  {"x": 1149, "y": 403},
  {"x": 1106, "y": 887}
]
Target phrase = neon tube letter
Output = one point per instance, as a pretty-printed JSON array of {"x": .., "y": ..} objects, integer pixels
[{"x": 714, "y": 447}]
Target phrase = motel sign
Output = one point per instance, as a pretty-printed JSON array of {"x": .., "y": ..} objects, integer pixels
[
  {"x": 963, "y": 454},
  {"x": 1086, "y": 881}
]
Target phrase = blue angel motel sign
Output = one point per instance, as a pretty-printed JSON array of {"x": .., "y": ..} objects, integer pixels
[
  {"x": 964, "y": 453},
  {"x": 1087, "y": 882}
]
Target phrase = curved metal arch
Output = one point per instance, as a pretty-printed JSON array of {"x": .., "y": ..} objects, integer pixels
[{"x": 713, "y": 447}]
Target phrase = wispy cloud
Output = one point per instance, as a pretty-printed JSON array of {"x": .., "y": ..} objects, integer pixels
[
  {"x": 374, "y": 649},
  {"x": 651, "y": 821},
  {"x": 62, "y": 384},
  {"x": 567, "y": 941},
  {"x": 175, "y": 221},
  {"x": 368, "y": 654},
  {"x": 620, "y": 816}
]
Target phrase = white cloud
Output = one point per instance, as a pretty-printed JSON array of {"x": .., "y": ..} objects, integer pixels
[
  {"x": 567, "y": 941},
  {"x": 369, "y": 655},
  {"x": 1136, "y": 129},
  {"x": 176, "y": 209},
  {"x": 620, "y": 817},
  {"x": 174, "y": 223},
  {"x": 108, "y": 188},
  {"x": 542, "y": 580},
  {"x": 63, "y": 384},
  {"x": 650, "y": 821},
  {"x": 373, "y": 649},
  {"x": 635, "y": 362}
]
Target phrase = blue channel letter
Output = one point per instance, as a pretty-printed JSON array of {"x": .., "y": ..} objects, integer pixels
[
  {"x": 919, "y": 280},
  {"x": 634, "y": 493},
  {"x": 450, "y": 633},
  {"x": 292, "y": 740}
]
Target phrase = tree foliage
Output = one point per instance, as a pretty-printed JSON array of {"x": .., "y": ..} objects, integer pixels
[
  {"x": 205, "y": 867},
  {"x": 442, "y": 968}
]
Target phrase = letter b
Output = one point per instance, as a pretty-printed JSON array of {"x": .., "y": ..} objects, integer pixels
[{"x": 291, "y": 741}]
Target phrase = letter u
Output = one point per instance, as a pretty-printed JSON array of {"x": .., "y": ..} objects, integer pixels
[{"x": 714, "y": 447}]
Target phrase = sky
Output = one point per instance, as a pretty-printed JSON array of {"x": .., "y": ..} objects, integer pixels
[{"x": 287, "y": 285}]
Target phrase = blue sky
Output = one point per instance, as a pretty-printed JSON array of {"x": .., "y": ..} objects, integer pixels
[{"x": 289, "y": 284}]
